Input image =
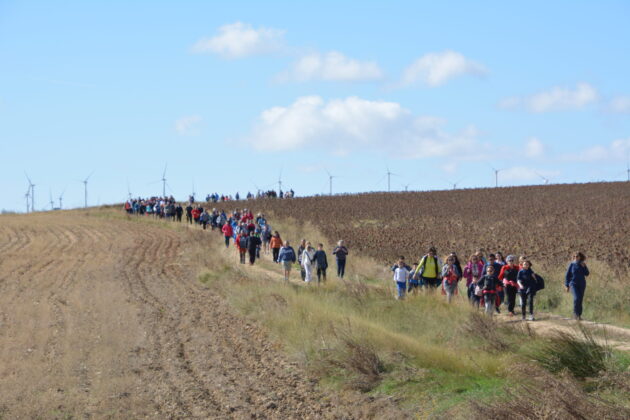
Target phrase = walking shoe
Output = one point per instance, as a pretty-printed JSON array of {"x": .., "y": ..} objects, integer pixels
[
  {"x": 523, "y": 318},
  {"x": 511, "y": 313},
  {"x": 531, "y": 318},
  {"x": 497, "y": 309}
]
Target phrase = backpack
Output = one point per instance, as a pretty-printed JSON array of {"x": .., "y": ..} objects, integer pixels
[
  {"x": 242, "y": 242},
  {"x": 540, "y": 282}
]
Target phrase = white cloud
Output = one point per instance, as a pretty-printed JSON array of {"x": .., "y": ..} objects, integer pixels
[
  {"x": 534, "y": 148},
  {"x": 188, "y": 126},
  {"x": 355, "y": 124},
  {"x": 435, "y": 69},
  {"x": 616, "y": 150},
  {"x": 332, "y": 66},
  {"x": 620, "y": 105},
  {"x": 555, "y": 99},
  {"x": 238, "y": 40}
]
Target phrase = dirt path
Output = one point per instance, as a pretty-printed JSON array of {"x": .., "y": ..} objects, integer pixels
[{"x": 106, "y": 319}]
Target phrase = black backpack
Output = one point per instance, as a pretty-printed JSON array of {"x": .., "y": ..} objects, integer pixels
[
  {"x": 242, "y": 242},
  {"x": 540, "y": 282}
]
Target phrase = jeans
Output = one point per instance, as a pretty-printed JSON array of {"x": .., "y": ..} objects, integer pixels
[
  {"x": 242, "y": 253},
  {"x": 400, "y": 287},
  {"x": 341, "y": 267},
  {"x": 578, "y": 297},
  {"x": 227, "y": 241},
  {"x": 252, "y": 256},
  {"x": 489, "y": 300},
  {"x": 413, "y": 284},
  {"x": 524, "y": 298}
]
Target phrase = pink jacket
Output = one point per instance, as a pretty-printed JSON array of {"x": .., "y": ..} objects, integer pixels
[{"x": 468, "y": 271}]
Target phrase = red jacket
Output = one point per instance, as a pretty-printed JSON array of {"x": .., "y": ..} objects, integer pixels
[
  {"x": 502, "y": 277},
  {"x": 227, "y": 229},
  {"x": 195, "y": 213}
]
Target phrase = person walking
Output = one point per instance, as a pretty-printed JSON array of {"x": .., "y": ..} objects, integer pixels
[
  {"x": 450, "y": 277},
  {"x": 472, "y": 273},
  {"x": 204, "y": 219},
  {"x": 492, "y": 261},
  {"x": 322, "y": 263},
  {"x": 508, "y": 275},
  {"x": 401, "y": 274},
  {"x": 429, "y": 269},
  {"x": 300, "y": 253},
  {"x": 308, "y": 262},
  {"x": 286, "y": 257},
  {"x": 227, "y": 233},
  {"x": 241, "y": 245},
  {"x": 341, "y": 254},
  {"x": 189, "y": 217},
  {"x": 527, "y": 288},
  {"x": 265, "y": 235},
  {"x": 488, "y": 284},
  {"x": 179, "y": 211},
  {"x": 253, "y": 245},
  {"x": 575, "y": 281},
  {"x": 275, "y": 243}
]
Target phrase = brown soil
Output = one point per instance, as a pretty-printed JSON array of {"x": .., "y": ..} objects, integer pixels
[{"x": 103, "y": 318}]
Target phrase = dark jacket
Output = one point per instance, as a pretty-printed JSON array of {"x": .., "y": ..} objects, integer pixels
[
  {"x": 576, "y": 274},
  {"x": 341, "y": 252},
  {"x": 526, "y": 278},
  {"x": 320, "y": 258},
  {"x": 488, "y": 283},
  {"x": 252, "y": 243}
]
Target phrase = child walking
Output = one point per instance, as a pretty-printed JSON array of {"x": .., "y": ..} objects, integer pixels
[{"x": 401, "y": 274}]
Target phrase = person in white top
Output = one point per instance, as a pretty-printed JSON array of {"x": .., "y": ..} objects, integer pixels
[
  {"x": 308, "y": 262},
  {"x": 401, "y": 275}
]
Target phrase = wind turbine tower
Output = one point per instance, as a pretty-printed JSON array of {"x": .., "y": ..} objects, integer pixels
[
  {"x": 389, "y": 175},
  {"x": 85, "y": 182},
  {"x": 164, "y": 181},
  {"x": 330, "y": 179},
  {"x": 28, "y": 198},
  {"x": 31, "y": 187},
  {"x": 496, "y": 176},
  {"x": 61, "y": 199},
  {"x": 52, "y": 203}
]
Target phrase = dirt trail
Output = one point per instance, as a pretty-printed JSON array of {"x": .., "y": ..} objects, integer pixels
[{"x": 106, "y": 319}]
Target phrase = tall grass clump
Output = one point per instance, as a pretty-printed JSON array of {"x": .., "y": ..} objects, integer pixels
[{"x": 577, "y": 352}]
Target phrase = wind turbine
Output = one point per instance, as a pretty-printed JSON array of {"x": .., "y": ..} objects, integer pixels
[
  {"x": 406, "y": 187},
  {"x": 280, "y": 182},
  {"x": 85, "y": 182},
  {"x": 28, "y": 196},
  {"x": 454, "y": 184},
  {"x": 164, "y": 181},
  {"x": 330, "y": 179},
  {"x": 496, "y": 175},
  {"x": 389, "y": 174},
  {"x": 31, "y": 187},
  {"x": 543, "y": 178},
  {"x": 61, "y": 199},
  {"x": 52, "y": 203}
]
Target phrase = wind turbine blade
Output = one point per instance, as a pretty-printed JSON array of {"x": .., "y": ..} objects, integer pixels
[
  {"x": 29, "y": 179},
  {"x": 86, "y": 179}
]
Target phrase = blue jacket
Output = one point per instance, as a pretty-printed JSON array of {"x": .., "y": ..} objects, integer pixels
[
  {"x": 320, "y": 257},
  {"x": 286, "y": 254},
  {"x": 526, "y": 278},
  {"x": 576, "y": 274}
]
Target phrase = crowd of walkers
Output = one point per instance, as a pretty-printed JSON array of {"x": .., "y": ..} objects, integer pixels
[
  {"x": 216, "y": 198},
  {"x": 489, "y": 282}
]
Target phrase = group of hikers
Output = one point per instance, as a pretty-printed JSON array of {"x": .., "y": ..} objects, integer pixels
[
  {"x": 216, "y": 198},
  {"x": 490, "y": 282}
]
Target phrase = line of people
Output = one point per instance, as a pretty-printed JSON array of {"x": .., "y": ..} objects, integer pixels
[{"x": 490, "y": 282}]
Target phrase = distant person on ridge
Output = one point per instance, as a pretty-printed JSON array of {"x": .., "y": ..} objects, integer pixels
[
  {"x": 286, "y": 257},
  {"x": 575, "y": 281},
  {"x": 341, "y": 253}
]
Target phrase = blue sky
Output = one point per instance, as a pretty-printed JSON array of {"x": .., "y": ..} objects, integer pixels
[{"x": 230, "y": 95}]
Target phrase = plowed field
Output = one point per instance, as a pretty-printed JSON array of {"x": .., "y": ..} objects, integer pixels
[{"x": 105, "y": 318}]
